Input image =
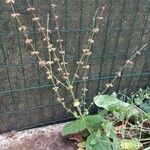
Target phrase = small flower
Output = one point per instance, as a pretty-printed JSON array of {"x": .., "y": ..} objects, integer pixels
[
  {"x": 138, "y": 52},
  {"x": 49, "y": 77},
  {"x": 100, "y": 18},
  {"x": 59, "y": 40},
  {"x": 87, "y": 52},
  {"x": 62, "y": 52},
  {"x": 49, "y": 63},
  {"x": 56, "y": 59},
  {"x": 76, "y": 76},
  {"x": 68, "y": 110},
  {"x": 36, "y": 19},
  {"x": 92, "y": 103},
  {"x": 109, "y": 85},
  {"x": 59, "y": 69},
  {"x": 14, "y": 15},
  {"x": 84, "y": 89},
  {"x": 28, "y": 41},
  {"x": 80, "y": 63},
  {"x": 86, "y": 67},
  {"x": 41, "y": 29},
  {"x": 42, "y": 63},
  {"x": 9, "y": 1},
  {"x": 118, "y": 74},
  {"x": 34, "y": 53},
  {"x": 91, "y": 41},
  {"x": 30, "y": 9},
  {"x": 85, "y": 78},
  {"x": 60, "y": 99},
  {"x": 49, "y": 31},
  {"x": 48, "y": 73},
  {"x": 103, "y": 7},
  {"x": 56, "y": 28},
  {"x": 53, "y": 49},
  {"x": 56, "y": 17},
  {"x": 53, "y": 5},
  {"x": 76, "y": 103},
  {"x": 63, "y": 63},
  {"x": 55, "y": 89},
  {"x": 22, "y": 28},
  {"x": 96, "y": 30},
  {"x": 66, "y": 76},
  {"x": 129, "y": 62},
  {"x": 50, "y": 46},
  {"x": 45, "y": 39}
]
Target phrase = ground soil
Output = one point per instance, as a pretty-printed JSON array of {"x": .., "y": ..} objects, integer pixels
[
  {"x": 44, "y": 138},
  {"x": 47, "y": 138}
]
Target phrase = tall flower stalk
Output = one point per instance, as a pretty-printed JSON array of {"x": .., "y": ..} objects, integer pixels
[{"x": 63, "y": 79}]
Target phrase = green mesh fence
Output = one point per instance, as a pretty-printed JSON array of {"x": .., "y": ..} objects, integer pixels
[{"x": 26, "y": 98}]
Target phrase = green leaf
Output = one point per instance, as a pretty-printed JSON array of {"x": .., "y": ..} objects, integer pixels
[
  {"x": 102, "y": 143},
  {"x": 115, "y": 143},
  {"x": 74, "y": 127},
  {"x": 109, "y": 130},
  {"x": 147, "y": 116},
  {"x": 113, "y": 104},
  {"x": 82, "y": 144},
  {"x": 98, "y": 135},
  {"x": 130, "y": 144},
  {"x": 93, "y": 142},
  {"x": 92, "y": 121}
]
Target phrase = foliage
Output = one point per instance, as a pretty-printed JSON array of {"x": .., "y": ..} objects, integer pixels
[
  {"x": 141, "y": 99},
  {"x": 101, "y": 129},
  {"x": 114, "y": 105},
  {"x": 102, "y": 132},
  {"x": 87, "y": 122},
  {"x": 130, "y": 144},
  {"x": 96, "y": 141}
]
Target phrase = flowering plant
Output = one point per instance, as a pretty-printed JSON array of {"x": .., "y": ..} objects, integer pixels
[{"x": 98, "y": 128}]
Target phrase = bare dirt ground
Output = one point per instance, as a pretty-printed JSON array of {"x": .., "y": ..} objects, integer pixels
[{"x": 44, "y": 138}]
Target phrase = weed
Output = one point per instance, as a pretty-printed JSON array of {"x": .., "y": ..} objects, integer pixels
[{"x": 101, "y": 129}]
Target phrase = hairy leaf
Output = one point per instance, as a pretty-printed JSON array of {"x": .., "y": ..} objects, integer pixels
[
  {"x": 74, "y": 127},
  {"x": 91, "y": 121},
  {"x": 94, "y": 121},
  {"x": 101, "y": 143},
  {"x": 113, "y": 104}
]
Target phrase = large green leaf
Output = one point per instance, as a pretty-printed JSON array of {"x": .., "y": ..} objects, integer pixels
[
  {"x": 113, "y": 104},
  {"x": 74, "y": 127},
  {"x": 96, "y": 141},
  {"x": 92, "y": 121}
]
